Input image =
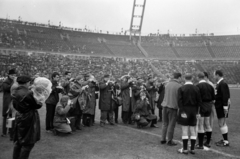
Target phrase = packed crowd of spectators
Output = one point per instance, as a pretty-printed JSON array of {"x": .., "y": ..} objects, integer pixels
[{"x": 45, "y": 64}]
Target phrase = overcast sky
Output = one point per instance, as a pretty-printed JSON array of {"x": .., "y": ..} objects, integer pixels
[{"x": 178, "y": 16}]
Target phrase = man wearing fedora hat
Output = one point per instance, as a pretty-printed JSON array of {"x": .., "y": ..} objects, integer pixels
[{"x": 7, "y": 98}]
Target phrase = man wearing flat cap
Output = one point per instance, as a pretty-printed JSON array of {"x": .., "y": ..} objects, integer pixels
[{"x": 7, "y": 98}]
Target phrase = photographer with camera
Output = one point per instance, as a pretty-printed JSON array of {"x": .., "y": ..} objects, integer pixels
[
  {"x": 89, "y": 112},
  {"x": 106, "y": 102},
  {"x": 152, "y": 89},
  {"x": 128, "y": 106}
]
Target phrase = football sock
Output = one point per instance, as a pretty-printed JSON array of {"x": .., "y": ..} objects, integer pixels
[
  {"x": 209, "y": 136},
  {"x": 224, "y": 131},
  {"x": 193, "y": 141},
  {"x": 200, "y": 139},
  {"x": 185, "y": 142}
]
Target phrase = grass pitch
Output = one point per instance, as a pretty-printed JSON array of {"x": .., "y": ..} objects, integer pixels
[{"x": 124, "y": 142}]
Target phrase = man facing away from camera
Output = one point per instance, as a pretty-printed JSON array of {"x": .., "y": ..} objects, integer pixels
[
  {"x": 170, "y": 108},
  {"x": 27, "y": 124},
  {"x": 188, "y": 101}
]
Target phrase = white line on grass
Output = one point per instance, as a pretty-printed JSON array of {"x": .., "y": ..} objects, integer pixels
[{"x": 180, "y": 142}]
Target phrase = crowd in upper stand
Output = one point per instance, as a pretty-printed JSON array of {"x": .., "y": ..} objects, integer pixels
[{"x": 21, "y": 36}]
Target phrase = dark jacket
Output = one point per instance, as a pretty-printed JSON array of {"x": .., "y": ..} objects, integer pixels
[
  {"x": 105, "y": 101},
  {"x": 53, "y": 99},
  {"x": 6, "y": 95},
  {"x": 27, "y": 124},
  {"x": 222, "y": 95}
]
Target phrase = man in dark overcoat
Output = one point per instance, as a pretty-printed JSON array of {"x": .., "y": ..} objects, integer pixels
[
  {"x": 106, "y": 101},
  {"x": 7, "y": 98}
]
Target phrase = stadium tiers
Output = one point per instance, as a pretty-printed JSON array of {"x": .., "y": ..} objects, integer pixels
[{"x": 33, "y": 36}]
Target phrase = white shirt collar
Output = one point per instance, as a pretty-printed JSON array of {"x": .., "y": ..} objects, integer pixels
[
  {"x": 219, "y": 80},
  {"x": 202, "y": 81},
  {"x": 188, "y": 83}
]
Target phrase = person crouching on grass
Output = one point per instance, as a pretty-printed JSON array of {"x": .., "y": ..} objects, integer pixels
[
  {"x": 188, "y": 101},
  {"x": 144, "y": 110},
  {"x": 60, "y": 122}
]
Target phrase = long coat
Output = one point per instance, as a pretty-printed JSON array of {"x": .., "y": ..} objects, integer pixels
[
  {"x": 105, "y": 101},
  {"x": 152, "y": 90},
  {"x": 92, "y": 100},
  {"x": 27, "y": 124},
  {"x": 127, "y": 101},
  {"x": 6, "y": 95}
]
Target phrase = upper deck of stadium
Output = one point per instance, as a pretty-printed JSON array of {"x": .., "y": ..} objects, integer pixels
[{"x": 47, "y": 38}]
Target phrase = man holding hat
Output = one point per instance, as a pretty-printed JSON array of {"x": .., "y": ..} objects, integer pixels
[{"x": 7, "y": 98}]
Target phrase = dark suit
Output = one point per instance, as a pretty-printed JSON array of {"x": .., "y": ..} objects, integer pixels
[{"x": 221, "y": 98}]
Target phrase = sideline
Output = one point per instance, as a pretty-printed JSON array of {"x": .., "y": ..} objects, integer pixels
[{"x": 180, "y": 142}]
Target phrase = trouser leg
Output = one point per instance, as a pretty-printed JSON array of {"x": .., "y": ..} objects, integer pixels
[
  {"x": 160, "y": 113},
  {"x": 25, "y": 151},
  {"x": 124, "y": 117},
  {"x": 164, "y": 124},
  {"x": 172, "y": 123},
  {"x": 116, "y": 114},
  {"x": 103, "y": 117},
  {"x": 49, "y": 116},
  {"x": 4, "y": 128},
  {"x": 110, "y": 115},
  {"x": 16, "y": 150}
]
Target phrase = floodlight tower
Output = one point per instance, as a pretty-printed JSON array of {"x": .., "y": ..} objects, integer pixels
[{"x": 137, "y": 18}]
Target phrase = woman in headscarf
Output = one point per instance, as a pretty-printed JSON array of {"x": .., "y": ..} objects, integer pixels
[{"x": 60, "y": 122}]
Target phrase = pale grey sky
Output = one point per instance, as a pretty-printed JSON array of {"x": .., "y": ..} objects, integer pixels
[{"x": 179, "y": 16}]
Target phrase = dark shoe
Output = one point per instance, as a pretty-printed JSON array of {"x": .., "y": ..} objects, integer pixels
[
  {"x": 185, "y": 152},
  {"x": 111, "y": 123},
  {"x": 199, "y": 147},
  {"x": 171, "y": 143},
  {"x": 48, "y": 131},
  {"x": 3, "y": 135},
  {"x": 207, "y": 145},
  {"x": 154, "y": 126},
  {"x": 222, "y": 143},
  {"x": 102, "y": 124},
  {"x": 78, "y": 128},
  {"x": 163, "y": 142},
  {"x": 192, "y": 152},
  {"x": 55, "y": 132}
]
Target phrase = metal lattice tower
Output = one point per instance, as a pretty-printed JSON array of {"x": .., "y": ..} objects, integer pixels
[{"x": 137, "y": 17}]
